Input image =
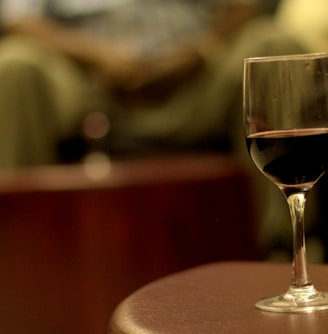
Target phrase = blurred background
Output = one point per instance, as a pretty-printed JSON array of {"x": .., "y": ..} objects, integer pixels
[{"x": 122, "y": 154}]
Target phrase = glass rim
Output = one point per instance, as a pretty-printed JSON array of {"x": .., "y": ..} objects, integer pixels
[{"x": 304, "y": 56}]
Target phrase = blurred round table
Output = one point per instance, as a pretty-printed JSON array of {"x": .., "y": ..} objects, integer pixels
[{"x": 218, "y": 298}]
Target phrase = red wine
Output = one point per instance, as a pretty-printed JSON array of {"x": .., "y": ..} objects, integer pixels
[{"x": 290, "y": 157}]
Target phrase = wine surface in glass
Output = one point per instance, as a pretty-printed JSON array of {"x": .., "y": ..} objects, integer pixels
[{"x": 290, "y": 157}]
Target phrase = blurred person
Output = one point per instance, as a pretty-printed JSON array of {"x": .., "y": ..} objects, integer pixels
[
  {"x": 59, "y": 60},
  {"x": 166, "y": 76}
]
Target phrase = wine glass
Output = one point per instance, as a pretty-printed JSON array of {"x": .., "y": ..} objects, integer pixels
[{"x": 285, "y": 101}]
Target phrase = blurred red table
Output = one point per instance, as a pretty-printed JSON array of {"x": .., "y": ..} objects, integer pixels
[
  {"x": 217, "y": 298},
  {"x": 76, "y": 240}
]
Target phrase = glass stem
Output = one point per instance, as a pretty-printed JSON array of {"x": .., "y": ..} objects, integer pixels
[{"x": 296, "y": 204}]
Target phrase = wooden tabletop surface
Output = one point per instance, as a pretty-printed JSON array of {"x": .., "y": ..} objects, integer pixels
[{"x": 218, "y": 298}]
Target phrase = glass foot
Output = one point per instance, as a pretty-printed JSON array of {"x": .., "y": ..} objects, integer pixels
[{"x": 304, "y": 299}]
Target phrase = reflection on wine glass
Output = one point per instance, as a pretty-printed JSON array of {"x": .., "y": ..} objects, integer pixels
[{"x": 286, "y": 127}]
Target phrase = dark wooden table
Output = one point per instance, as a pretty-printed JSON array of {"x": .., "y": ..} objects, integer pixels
[{"x": 218, "y": 298}]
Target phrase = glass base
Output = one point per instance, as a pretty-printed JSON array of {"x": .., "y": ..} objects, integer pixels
[{"x": 304, "y": 299}]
